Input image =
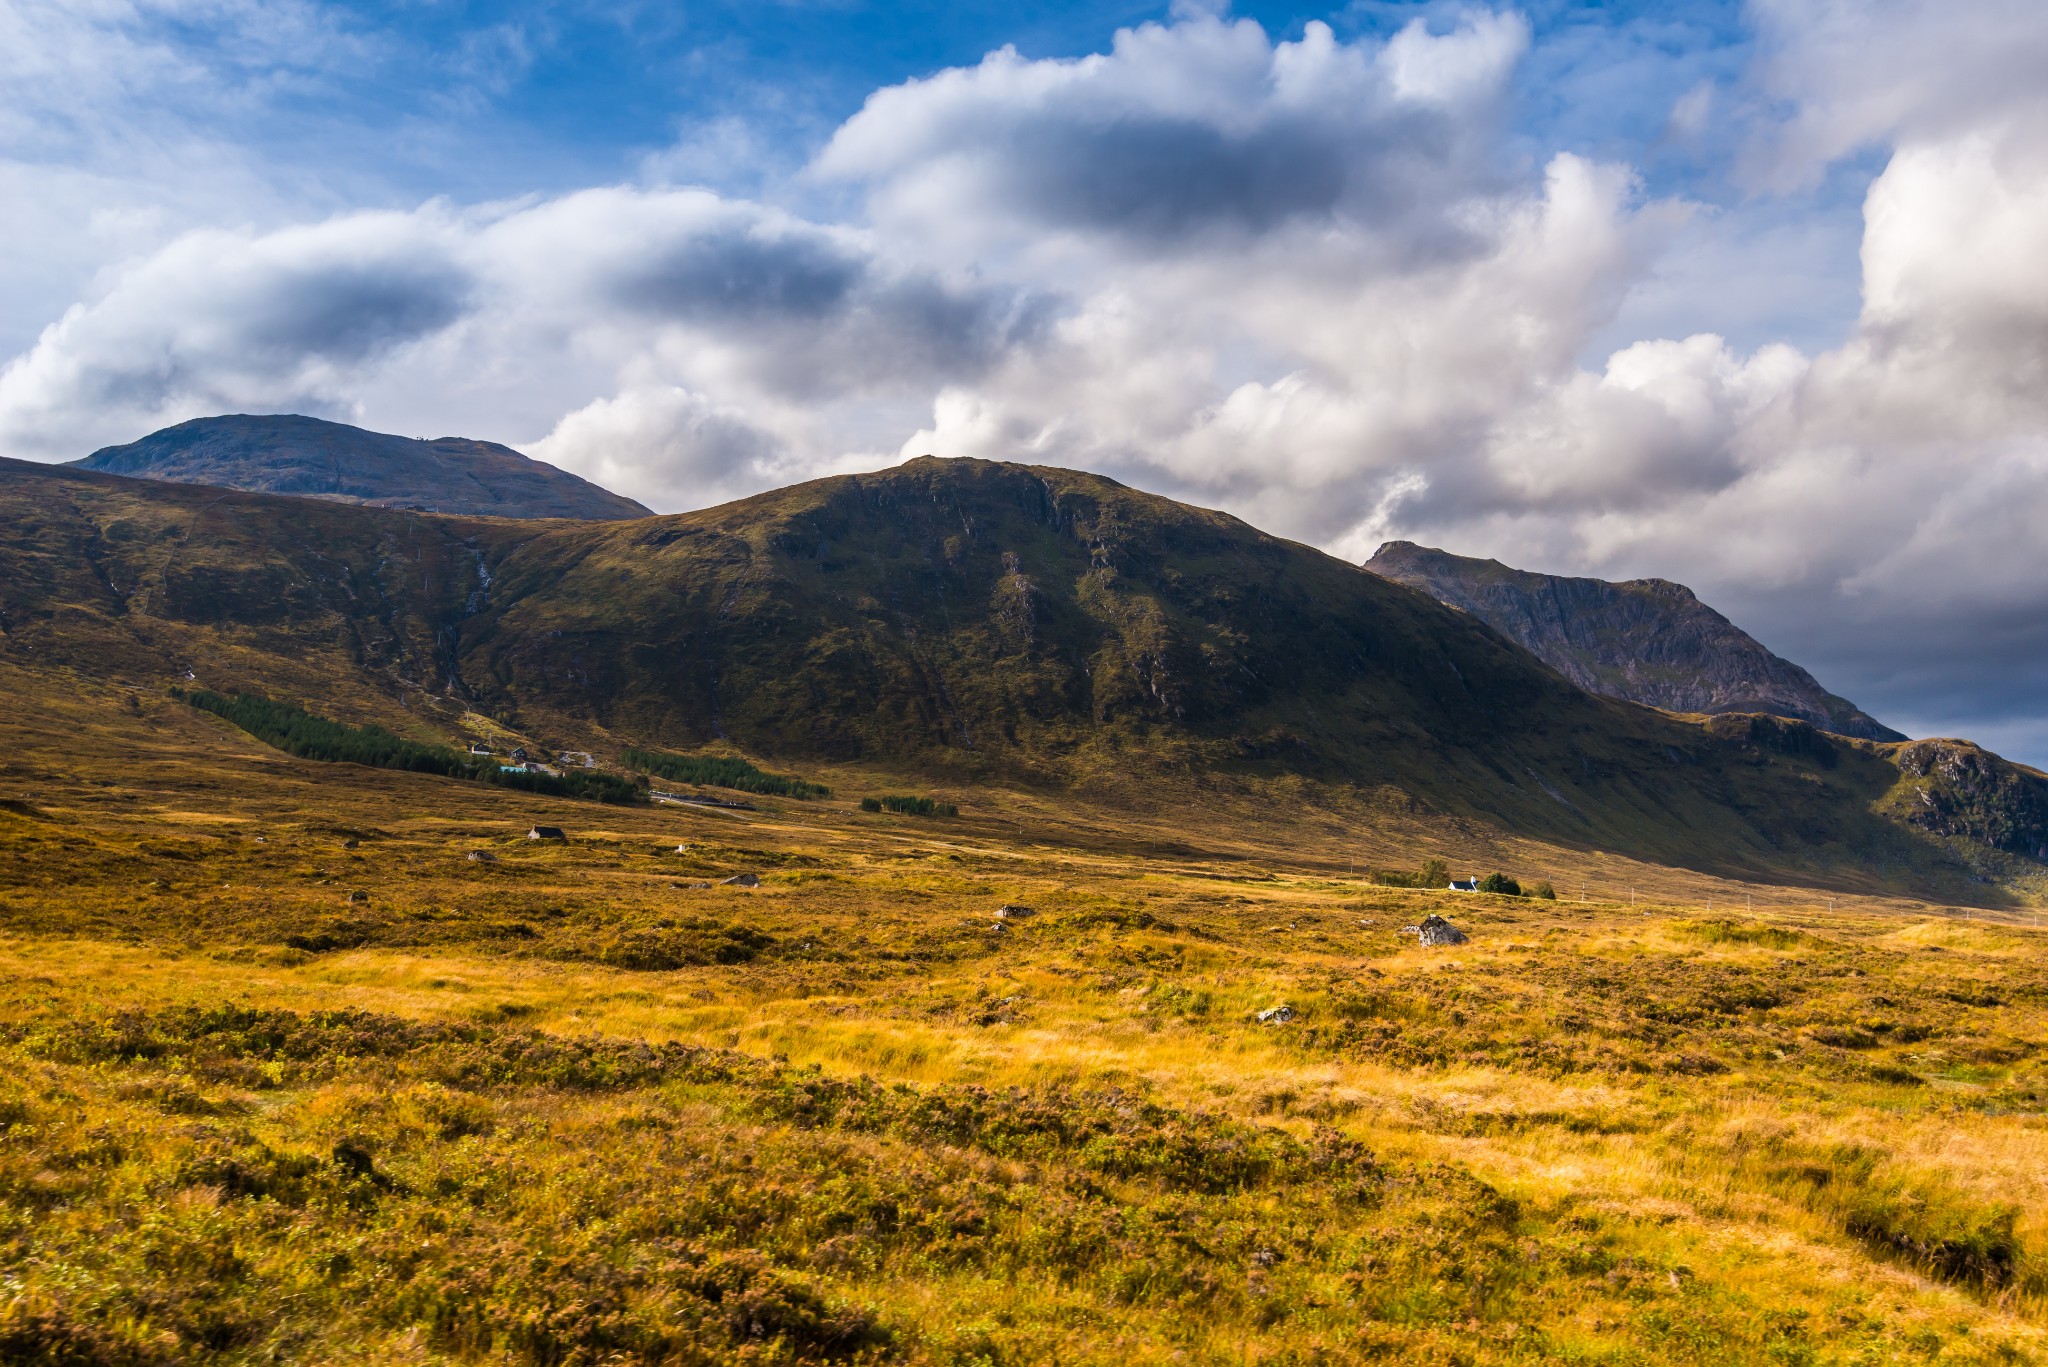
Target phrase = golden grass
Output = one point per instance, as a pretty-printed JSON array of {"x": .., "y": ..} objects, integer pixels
[{"x": 1601, "y": 1133}]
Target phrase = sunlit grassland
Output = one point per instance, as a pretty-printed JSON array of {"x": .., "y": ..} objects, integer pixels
[{"x": 583, "y": 1103}]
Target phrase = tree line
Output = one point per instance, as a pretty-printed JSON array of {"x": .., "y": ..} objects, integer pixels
[{"x": 292, "y": 729}]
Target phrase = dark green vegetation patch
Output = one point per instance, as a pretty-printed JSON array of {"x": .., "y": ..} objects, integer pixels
[
  {"x": 909, "y": 806},
  {"x": 722, "y": 771},
  {"x": 295, "y": 731}
]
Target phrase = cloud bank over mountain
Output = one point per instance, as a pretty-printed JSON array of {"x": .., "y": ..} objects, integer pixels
[{"x": 1339, "y": 284}]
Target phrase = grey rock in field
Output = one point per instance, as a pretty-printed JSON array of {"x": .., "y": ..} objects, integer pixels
[
  {"x": 1276, "y": 1015},
  {"x": 1435, "y": 930},
  {"x": 741, "y": 880},
  {"x": 350, "y": 843},
  {"x": 1011, "y": 912},
  {"x": 482, "y": 857}
]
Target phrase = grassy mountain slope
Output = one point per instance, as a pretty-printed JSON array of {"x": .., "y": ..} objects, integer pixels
[
  {"x": 978, "y": 622},
  {"x": 290, "y": 454},
  {"x": 1646, "y": 640}
]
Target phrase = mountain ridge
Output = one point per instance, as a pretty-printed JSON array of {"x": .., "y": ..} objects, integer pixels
[
  {"x": 313, "y": 458},
  {"x": 970, "y": 622},
  {"x": 1648, "y": 641}
]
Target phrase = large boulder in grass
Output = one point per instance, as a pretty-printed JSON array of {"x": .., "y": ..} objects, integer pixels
[{"x": 1435, "y": 930}]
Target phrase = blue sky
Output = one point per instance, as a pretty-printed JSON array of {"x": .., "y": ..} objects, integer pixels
[{"x": 1745, "y": 295}]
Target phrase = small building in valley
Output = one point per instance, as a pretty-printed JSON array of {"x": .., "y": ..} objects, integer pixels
[{"x": 1464, "y": 885}]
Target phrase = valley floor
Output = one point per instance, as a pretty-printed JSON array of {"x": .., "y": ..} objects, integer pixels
[{"x": 289, "y": 1077}]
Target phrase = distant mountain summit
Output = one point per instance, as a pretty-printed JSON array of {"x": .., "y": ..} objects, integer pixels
[
  {"x": 288, "y": 454},
  {"x": 1644, "y": 640}
]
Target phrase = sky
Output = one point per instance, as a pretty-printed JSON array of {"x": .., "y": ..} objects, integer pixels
[{"x": 1749, "y": 296}]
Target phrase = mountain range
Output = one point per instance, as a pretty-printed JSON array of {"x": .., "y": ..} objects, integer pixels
[
  {"x": 1648, "y": 641},
  {"x": 976, "y": 621},
  {"x": 313, "y": 458}
]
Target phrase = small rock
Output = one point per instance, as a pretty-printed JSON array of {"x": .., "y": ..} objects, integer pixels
[
  {"x": 741, "y": 880},
  {"x": 682, "y": 849},
  {"x": 482, "y": 857},
  {"x": 1010, "y": 912},
  {"x": 1276, "y": 1015},
  {"x": 351, "y": 843},
  {"x": 355, "y": 897}
]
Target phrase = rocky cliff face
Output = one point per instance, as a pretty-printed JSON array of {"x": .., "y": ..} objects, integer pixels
[
  {"x": 309, "y": 457},
  {"x": 1955, "y": 788},
  {"x": 1644, "y": 640}
]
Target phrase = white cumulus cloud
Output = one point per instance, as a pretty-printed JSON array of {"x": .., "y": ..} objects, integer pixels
[{"x": 1321, "y": 282}]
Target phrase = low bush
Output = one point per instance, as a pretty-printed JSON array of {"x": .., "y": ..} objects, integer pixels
[
  {"x": 1729, "y": 932},
  {"x": 1500, "y": 883},
  {"x": 1434, "y": 873}
]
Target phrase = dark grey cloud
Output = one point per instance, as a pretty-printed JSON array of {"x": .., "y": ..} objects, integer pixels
[
  {"x": 732, "y": 273},
  {"x": 819, "y": 308}
]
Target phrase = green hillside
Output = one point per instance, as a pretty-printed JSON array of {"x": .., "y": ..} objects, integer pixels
[{"x": 969, "y": 620}]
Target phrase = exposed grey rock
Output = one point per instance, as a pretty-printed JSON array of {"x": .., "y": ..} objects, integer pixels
[
  {"x": 1276, "y": 1015},
  {"x": 482, "y": 857},
  {"x": 1012, "y": 912},
  {"x": 1435, "y": 930},
  {"x": 741, "y": 880},
  {"x": 1642, "y": 640}
]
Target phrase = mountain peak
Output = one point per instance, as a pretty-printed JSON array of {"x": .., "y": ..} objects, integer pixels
[
  {"x": 290, "y": 453},
  {"x": 1648, "y": 641}
]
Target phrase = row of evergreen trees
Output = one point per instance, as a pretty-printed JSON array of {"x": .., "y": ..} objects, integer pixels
[
  {"x": 909, "y": 806},
  {"x": 295, "y": 731},
  {"x": 1436, "y": 873},
  {"x": 721, "y": 771}
]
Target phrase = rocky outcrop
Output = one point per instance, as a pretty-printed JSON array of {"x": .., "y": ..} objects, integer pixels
[
  {"x": 1436, "y": 932},
  {"x": 312, "y": 458},
  {"x": 1957, "y": 789},
  {"x": 1642, "y": 640}
]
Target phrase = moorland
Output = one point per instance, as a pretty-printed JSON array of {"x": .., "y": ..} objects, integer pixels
[{"x": 1128, "y": 1059}]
